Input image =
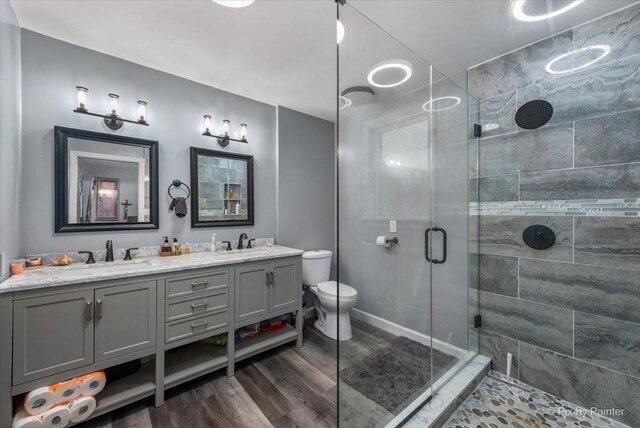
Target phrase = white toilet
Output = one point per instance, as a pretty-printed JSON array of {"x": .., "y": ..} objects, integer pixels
[{"x": 316, "y": 268}]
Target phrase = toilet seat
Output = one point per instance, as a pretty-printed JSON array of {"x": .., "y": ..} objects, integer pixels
[{"x": 330, "y": 289}]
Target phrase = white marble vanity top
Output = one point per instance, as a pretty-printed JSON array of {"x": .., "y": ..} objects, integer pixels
[{"x": 78, "y": 273}]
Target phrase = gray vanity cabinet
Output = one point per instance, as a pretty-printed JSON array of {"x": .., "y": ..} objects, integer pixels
[
  {"x": 252, "y": 291},
  {"x": 267, "y": 289},
  {"x": 52, "y": 334},
  {"x": 125, "y": 319},
  {"x": 285, "y": 285}
]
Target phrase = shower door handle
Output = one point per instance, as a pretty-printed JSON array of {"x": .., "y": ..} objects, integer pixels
[
  {"x": 426, "y": 245},
  {"x": 444, "y": 245}
]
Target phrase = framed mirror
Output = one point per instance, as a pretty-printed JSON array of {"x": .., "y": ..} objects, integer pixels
[
  {"x": 222, "y": 185},
  {"x": 104, "y": 182}
]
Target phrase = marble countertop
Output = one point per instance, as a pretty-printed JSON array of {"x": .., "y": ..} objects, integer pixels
[{"x": 79, "y": 273}]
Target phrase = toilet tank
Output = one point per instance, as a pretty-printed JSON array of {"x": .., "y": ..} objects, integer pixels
[{"x": 316, "y": 266}]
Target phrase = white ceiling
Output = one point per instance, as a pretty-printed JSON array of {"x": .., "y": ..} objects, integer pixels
[{"x": 283, "y": 52}]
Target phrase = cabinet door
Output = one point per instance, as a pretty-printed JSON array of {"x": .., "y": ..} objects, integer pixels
[
  {"x": 125, "y": 319},
  {"x": 286, "y": 286},
  {"x": 252, "y": 291},
  {"x": 52, "y": 334}
]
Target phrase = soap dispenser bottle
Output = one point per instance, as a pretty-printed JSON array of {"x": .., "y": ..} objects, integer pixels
[
  {"x": 213, "y": 242},
  {"x": 166, "y": 247},
  {"x": 176, "y": 245}
]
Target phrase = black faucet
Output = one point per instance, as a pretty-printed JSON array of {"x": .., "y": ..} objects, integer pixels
[
  {"x": 109, "y": 257},
  {"x": 242, "y": 236}
]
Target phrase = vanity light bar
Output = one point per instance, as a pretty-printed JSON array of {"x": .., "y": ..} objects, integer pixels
[
  {"x": 223, "y": 137},
  {"x": 111, "y": 119}
]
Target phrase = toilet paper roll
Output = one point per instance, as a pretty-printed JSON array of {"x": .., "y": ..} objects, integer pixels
[
  {"x": 38, "y": 401},
  {"x": 382, "y": 241},
  {"x": 22, "y": 420},
  {"x": 66, "y": 391},
  {"x": 81, "y": 408},
  {"x": 56, "y": 417},
  {"x": 92, "y": 383}
]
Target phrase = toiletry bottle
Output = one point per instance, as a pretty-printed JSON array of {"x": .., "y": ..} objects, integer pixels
[
  {"x": 213, "y": 242},
  {"x": 176, "y": 245},
  {"x": 187, "y": 250},
  {"x": 237, "y": 208},
  {"x": 166, "y": 247}
]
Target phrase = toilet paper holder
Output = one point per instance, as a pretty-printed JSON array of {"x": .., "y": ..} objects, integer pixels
[{"x": 392, "y": 241}]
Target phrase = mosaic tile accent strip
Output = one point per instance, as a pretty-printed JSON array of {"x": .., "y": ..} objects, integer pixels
[
  {"x": 628, "y": 207},
  {"x": 495, "y": 403}
]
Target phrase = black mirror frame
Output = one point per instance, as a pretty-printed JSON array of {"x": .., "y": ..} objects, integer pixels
[
  {"x": 195, "y": 221},
  {"x": 61, "y": 178}
]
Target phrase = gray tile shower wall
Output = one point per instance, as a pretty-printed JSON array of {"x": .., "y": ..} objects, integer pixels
[{"x": 570, "y": 315}]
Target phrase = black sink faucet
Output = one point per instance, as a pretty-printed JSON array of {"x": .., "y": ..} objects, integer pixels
[
  {"x": 240, "y": 244},
  {"x": 109, "y": 257}
]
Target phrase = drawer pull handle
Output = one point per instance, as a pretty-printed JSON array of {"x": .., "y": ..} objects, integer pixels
[
  {"x": 268, "y": 278},
  {"x": 198, "y": 284},
  {"x": 195, "y": 306},
  {"x": 200, "y": 324},
  {"x": 88, "y": 312}
]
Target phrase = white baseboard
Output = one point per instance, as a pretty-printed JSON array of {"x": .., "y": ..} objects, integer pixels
[{"x": 398, "y": 330}]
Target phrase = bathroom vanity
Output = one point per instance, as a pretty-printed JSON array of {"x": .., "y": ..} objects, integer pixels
[{"x": 61, "y": 322}]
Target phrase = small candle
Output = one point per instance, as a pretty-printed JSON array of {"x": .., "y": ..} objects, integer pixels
[{"x": 17, "y": 267}]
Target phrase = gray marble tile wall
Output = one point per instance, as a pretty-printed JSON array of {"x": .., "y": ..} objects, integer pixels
[{"x": 570, "y": 315}]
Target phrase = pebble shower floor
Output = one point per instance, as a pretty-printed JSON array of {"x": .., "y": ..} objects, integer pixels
[{"x": 496, "y": 404}]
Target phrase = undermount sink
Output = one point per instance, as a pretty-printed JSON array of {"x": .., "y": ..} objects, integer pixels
[{"x": 122, "y": 264}]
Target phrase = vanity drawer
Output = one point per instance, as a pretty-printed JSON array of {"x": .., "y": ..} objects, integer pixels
[
  {"x": 193, "y": 306},
  {"x": 186, "y": 285},
  {"x": 183, "y": 329}
]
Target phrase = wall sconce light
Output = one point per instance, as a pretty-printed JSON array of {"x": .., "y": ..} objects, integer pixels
[
  {"x": 206, "y": 127},
  {"x": 111, "y": 119},
  {"x": 82, "y": 98},
  {"x": 142, "y": 112},
  {"x": 223, "y": 138},
  {"x": 243, "y": 132}
]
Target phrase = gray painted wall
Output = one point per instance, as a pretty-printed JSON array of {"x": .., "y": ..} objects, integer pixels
[
  {"x": 10, "y": 137},
  {"x": 306, "y": 180},
  {"x": 569, "y": 314},
  {"x": 51, "y": 70}
]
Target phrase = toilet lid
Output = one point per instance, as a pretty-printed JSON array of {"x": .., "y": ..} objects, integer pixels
[{"x": 331, "y": 288}]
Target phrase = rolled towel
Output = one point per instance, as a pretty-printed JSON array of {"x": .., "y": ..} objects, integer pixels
[{"x": 179, "y": 206}]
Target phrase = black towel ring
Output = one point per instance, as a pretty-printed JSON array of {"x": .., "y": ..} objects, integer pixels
[{"x": 178, "y": 183}]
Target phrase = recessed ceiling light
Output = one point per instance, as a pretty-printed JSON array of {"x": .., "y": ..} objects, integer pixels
[
  {"x": 234, "y": 3},
  {"x": 605, "y": 51},
  {"x": 518, "y": 11},
  {"x": 340, "y": 31},
  {"x": 428, "y": 106},
  {"x": 395, "y": 65}
]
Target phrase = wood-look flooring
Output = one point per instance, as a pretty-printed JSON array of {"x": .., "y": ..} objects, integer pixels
[{"x": 284, "y": 387}]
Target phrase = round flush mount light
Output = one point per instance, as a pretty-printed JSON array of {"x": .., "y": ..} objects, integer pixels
[
  {"x": 340, "y": 29},
  {"x": 356, "y": 96},
  {"x": 603, "y": 48},
  {"x": 390, "y": 73},
  {"x": 344, "y": 102},
  {"x": 234, "y": 3},
  {"x": 441, "y": 104},
  {"x": 517, "y": 8}
]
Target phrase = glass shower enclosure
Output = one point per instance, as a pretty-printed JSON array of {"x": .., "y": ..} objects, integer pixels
[{"x": 405, "y": 147}]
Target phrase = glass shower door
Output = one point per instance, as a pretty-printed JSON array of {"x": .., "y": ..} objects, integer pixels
[{"x": 402, "y": 167}]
